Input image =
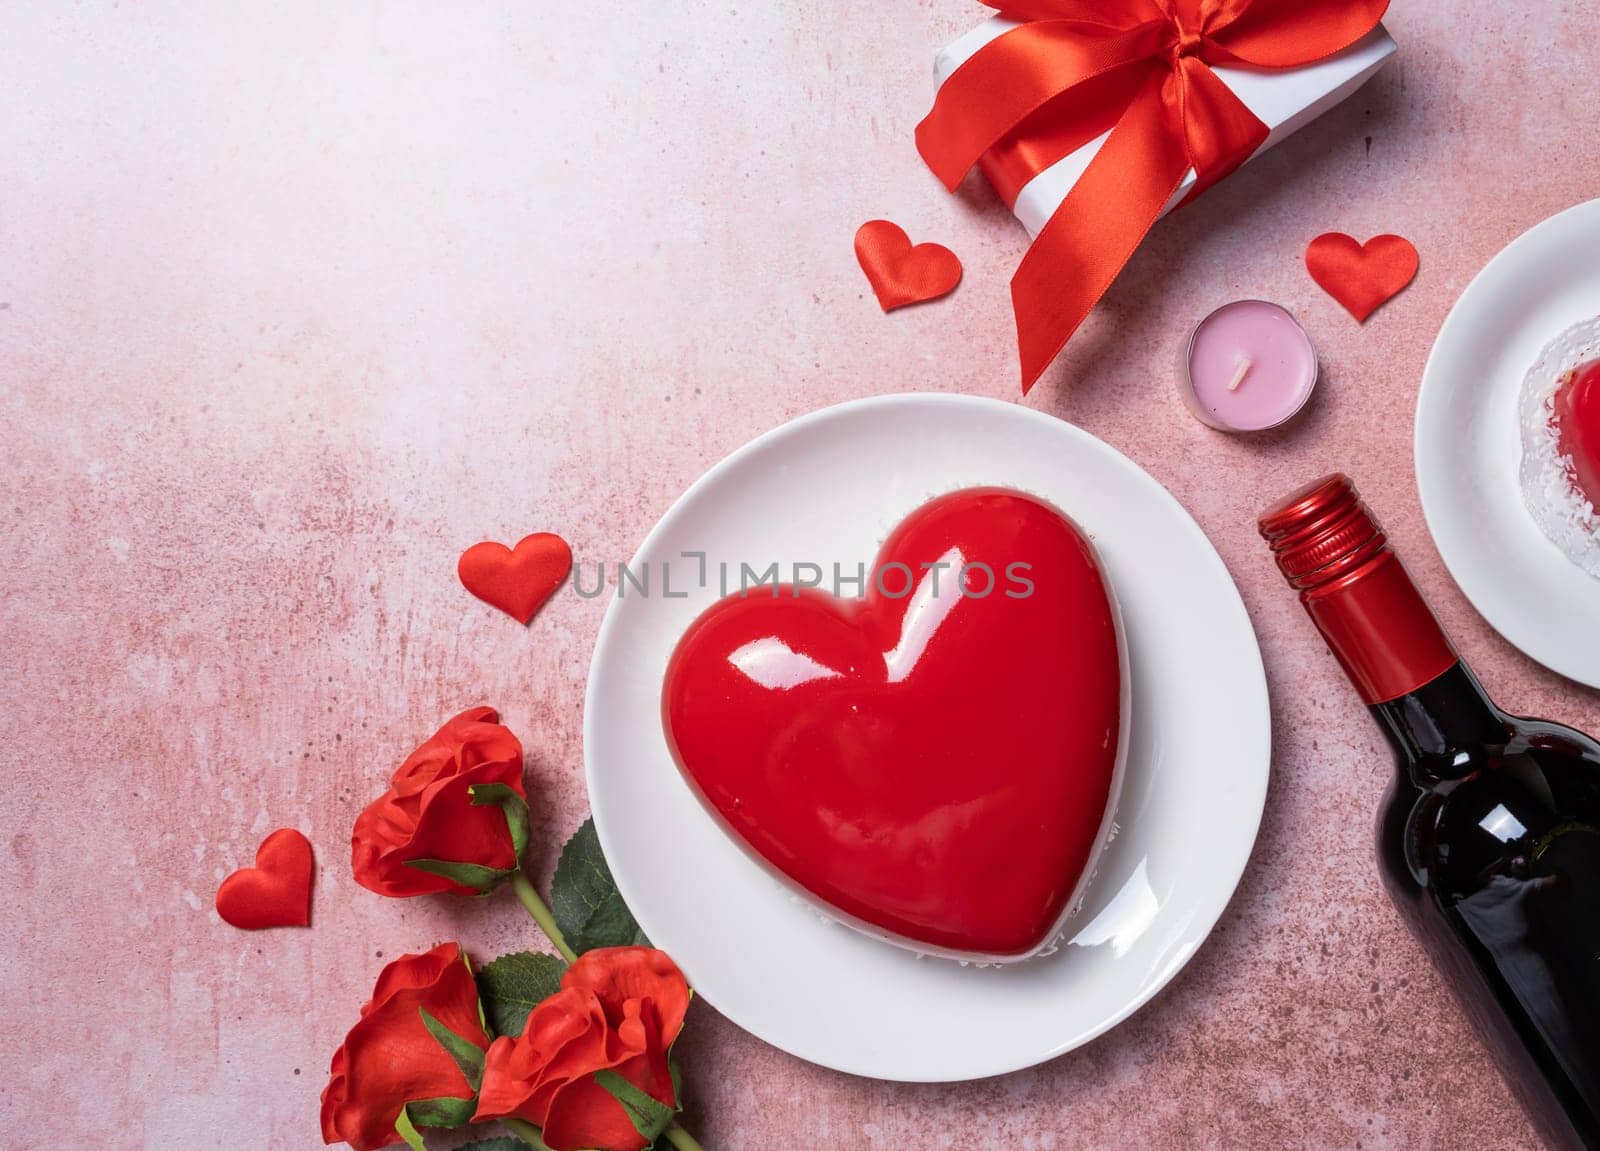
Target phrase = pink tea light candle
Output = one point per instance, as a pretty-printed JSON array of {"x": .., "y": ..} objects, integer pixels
[{"x": 1250, "y": 366}]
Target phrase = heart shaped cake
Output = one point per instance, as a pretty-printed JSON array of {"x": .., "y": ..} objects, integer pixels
[
  {"x": 936, "y": 761},
  {"x": 1560, "y": 415},
  {"x": 1576, "y": 417}
]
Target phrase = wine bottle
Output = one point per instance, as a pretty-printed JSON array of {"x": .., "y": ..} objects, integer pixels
[{"x": 1489, "y": 834}]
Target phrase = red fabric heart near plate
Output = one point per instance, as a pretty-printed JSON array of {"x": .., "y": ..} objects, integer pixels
[
  {"x": 935, "y": 762},
  {"x": 1362, "y": 277}
]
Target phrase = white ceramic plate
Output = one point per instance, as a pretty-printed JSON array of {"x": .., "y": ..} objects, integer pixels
[
  {"x": 827, "y": 488},
  {"x": 1468, "y": 444}
]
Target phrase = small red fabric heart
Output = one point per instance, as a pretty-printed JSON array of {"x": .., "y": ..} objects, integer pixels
[
  {"x": 276, "y": 892},
  {"x": 935, "y": 759},
  {"x": 516, "y": 580},
  {"x": 900, "y": 274},
  {"x": 1362, "y": 277}
]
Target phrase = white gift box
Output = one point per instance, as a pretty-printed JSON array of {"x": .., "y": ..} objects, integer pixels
[{"x": 1283, "y": 100}]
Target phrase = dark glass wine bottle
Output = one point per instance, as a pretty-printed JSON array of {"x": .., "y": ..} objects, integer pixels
[{"x": 1489, "y": 835}]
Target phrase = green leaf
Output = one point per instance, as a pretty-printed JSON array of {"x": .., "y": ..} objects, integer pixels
[
  {"x": 441, "y": 1112},
  {"x": 514, "y": 806},
  {"x": 404, "y": 1128},
  {"x": 466, "y": 874},
  {"x": 467, "y": 1055},
  {"x": 513, "y": 985},
  {"x": 498, "y": 1143},
  {"x": 649, "y": 1116},
  {"x": 585, "y": 900}
]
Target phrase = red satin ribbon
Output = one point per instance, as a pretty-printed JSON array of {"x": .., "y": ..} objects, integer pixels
[{"x": 1142, "y": 68}]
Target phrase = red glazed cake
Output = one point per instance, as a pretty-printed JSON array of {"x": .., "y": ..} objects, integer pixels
[
  {"x": 935, "y": 762},
  {"x": 1560, "y": 471}
]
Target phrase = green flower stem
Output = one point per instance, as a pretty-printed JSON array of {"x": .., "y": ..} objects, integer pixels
[
  {"x": 681, "y": 1139},
  {"x": 527, "y": 1132},
  {"x": 540, "y": 912}
]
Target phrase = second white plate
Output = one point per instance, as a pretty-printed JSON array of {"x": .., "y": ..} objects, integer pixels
[
  {"x": 826, "y": 488},
  {"x": 1468, "y": 443}
]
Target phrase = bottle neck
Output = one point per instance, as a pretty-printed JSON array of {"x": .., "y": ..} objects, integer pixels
[
  {"x": 1332, "y": 551},
  {"x": 1380, "y": 629},
  {"x": 1358, "y": 593},
  {"x": 1438, "y": 730}
]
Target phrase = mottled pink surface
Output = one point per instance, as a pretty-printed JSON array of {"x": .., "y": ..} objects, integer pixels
[{"x": 294, "y": 305}]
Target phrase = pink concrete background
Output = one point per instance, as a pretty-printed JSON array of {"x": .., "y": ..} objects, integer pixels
[{"x": 296, "y": 304}]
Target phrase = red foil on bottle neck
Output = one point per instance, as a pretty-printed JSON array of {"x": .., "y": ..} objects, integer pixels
[{"x": 1356, "y": 590}]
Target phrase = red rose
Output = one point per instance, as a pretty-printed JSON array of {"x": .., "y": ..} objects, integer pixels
[
  {"x": 451, "y": 807},
  {"x": 390, "y": 1058},
  {"x": 619, "y": 1009}
]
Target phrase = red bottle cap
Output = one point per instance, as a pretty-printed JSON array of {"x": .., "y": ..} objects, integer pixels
[{"x": 1355, "y": 589}]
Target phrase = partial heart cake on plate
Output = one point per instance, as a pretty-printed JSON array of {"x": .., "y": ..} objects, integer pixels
[
  {"x": 1560, "y": 417},
  {"x": 937, "y": 761}
]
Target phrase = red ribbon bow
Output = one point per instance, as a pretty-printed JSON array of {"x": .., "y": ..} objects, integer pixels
[{"x": 1141, "y": 68}]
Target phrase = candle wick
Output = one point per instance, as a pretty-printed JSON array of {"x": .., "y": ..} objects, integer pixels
[{"x": 1239, "y": 373}]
